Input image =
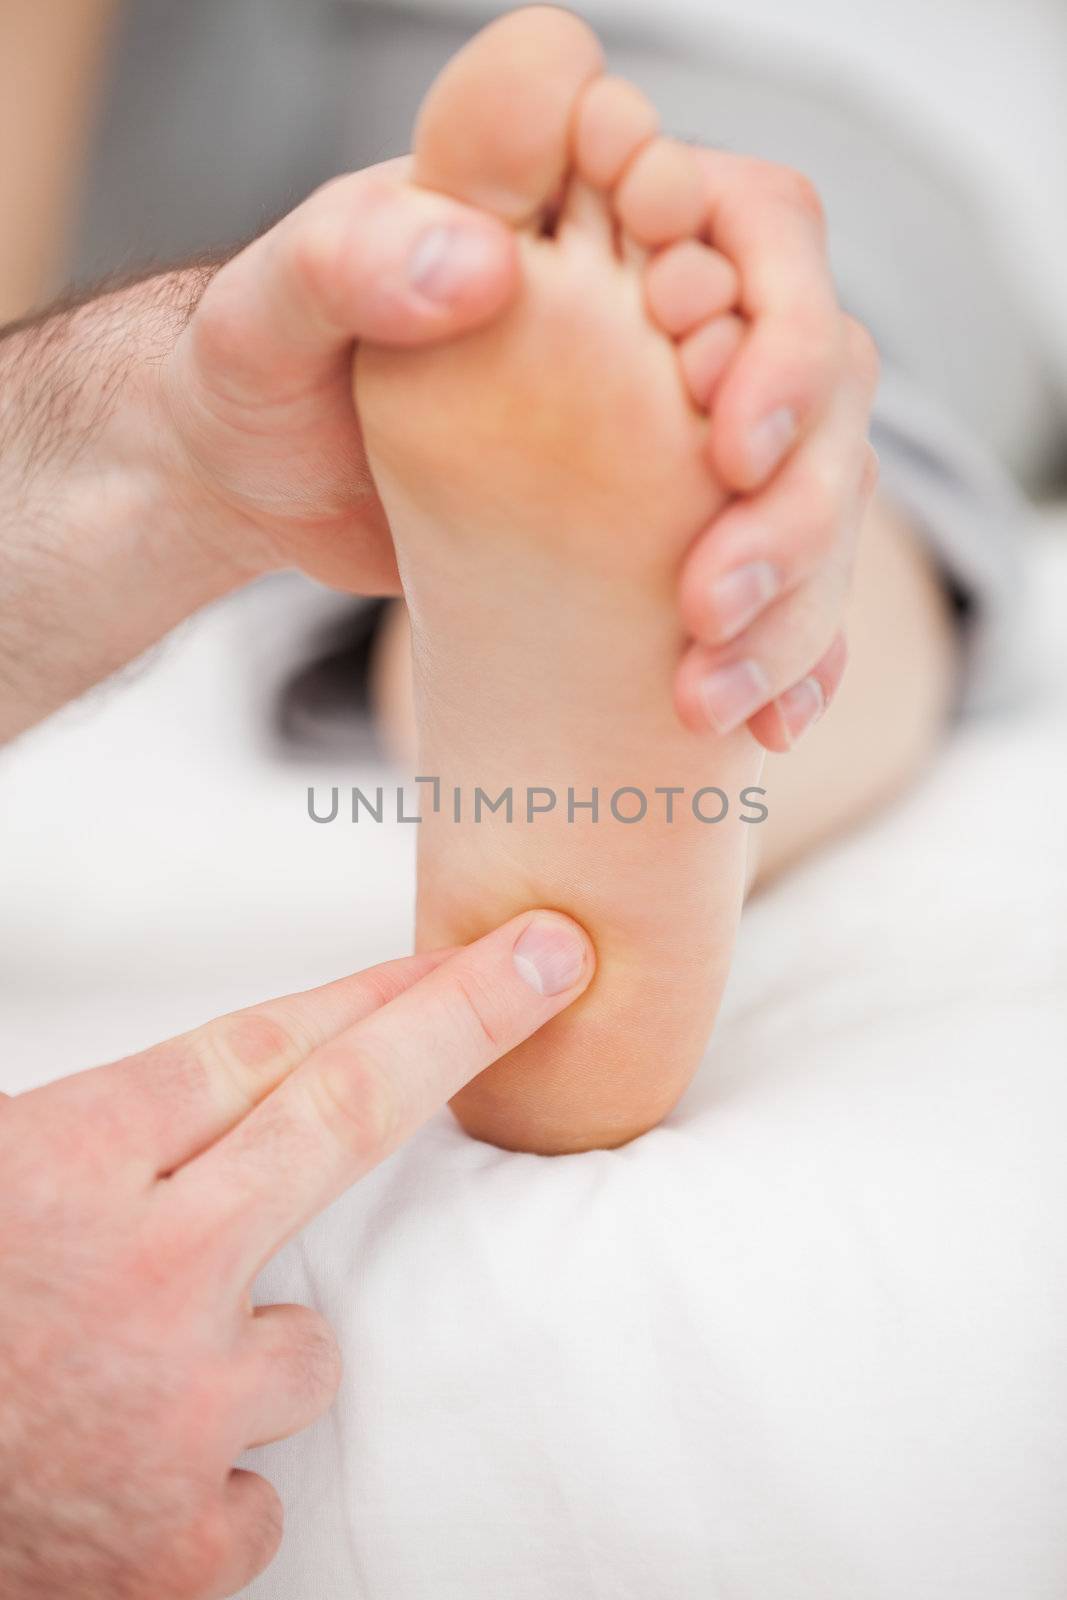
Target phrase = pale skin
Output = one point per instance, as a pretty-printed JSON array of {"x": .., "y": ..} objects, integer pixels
[
  {"x": 138, "y": 1202},
  {"x": 547, "y": 481}
]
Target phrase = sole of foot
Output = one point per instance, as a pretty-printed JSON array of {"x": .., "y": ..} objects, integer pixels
[{"x": 543, "y": 479}]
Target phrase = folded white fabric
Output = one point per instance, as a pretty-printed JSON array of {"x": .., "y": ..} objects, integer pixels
[{"x": 806, "y": 1341}]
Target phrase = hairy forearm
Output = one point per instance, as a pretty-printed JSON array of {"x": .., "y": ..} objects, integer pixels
[{"x": 104, "y": 543}]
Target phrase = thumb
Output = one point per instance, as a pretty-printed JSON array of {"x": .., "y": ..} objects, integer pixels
[{"x": 369, "y": 256}]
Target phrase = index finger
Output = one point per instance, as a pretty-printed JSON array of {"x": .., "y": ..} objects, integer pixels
[
  {"x": 164, "y": 1105},
  {"x": 363, "y": 1093},
  {"x": 768, "y": 221}
]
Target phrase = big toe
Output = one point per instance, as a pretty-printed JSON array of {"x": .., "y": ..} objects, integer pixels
[{"x": 494, "y": 128}]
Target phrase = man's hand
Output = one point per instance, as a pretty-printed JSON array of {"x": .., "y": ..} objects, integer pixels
[
  {"x": 137, "y": 1203},
  {"x": 767, "y": 582},
  {"x": 259, "y": 386},
  {"x": 164, "y": 442}
]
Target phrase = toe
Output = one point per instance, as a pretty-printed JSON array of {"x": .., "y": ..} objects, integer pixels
[
  {"x": 661, "y": 196},
  {"x": 494, "y": 129},
  {"x": 687, "y": 284},
  {"x": 706, "y": 354},
  {"x": 614, "y": 121}
]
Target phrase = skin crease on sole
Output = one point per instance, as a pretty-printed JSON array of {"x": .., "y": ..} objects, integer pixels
[{"x": 543, "y": 480}]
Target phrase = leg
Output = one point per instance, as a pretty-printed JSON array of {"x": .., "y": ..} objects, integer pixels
[{"x": 890, "y": 712}]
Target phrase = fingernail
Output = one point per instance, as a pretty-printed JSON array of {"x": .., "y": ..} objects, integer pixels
[
  {"x": 769, "y": 441},
  {"x": 733, "y": 694},
  {"x": 550, "y": 955},
  {"x": 800, "y": 706},
  {"x": 742, "y": 594},
  {"x": 445, "y": 261}
]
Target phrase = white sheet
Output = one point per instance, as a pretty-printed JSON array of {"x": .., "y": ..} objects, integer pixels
[{"x": 806, "y": 1341}]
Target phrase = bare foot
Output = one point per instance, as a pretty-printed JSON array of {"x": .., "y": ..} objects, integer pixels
[{"x": 543, "y": 480}]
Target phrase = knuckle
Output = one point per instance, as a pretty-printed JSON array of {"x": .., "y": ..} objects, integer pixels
[
  {"x": 381, "y": 984},
  {"x": 479, "y": 1011},
  {"x": 347, "y": 190},
  {"x": 809, "y": 621},
  {"x": 863, "y": 353},
  {"x": 264, "y": 1525},
  {"x": 872, "y": 469},
  {"x": 191, "y": 1554},
  {"x": 314, "y": 1358},
  {"x": 812, "y": 360},
  {"x": 798, "y": 191},
  {"x": 821, "y": 506},
  {"x": 313, "y": 256},
  {"x": 358, "y": 1103},
  {"x": 314, "y": 242},
  {"x": 236, "y": 1539},
  {"x": 243, "y": 1053},
  {"x": 830, "y": 664},
  {"x": 330, "y": 191},
  {"x": 811, "y": 627}
]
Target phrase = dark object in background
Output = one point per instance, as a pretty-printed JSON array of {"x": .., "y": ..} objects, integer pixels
[{"x": 325, "y": 705}]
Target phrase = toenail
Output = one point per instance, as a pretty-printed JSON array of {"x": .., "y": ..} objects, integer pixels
[
  {"x": 446, "y": 260},
  {"x": 733, "y": 694},
  {"x": 550, "y": 955},
  {"x": 769, "y": 441},
  {"x": 800, "y": 706},
  {"x": 741, "y": 595}
]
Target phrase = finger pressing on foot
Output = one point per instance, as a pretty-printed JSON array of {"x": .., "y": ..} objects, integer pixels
[
  {"x": 780, "y": 725},
  {"x": 766, "y": 545},
  {"x": 688, "y": 284},
  {"x": 717, "y": 691}
]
